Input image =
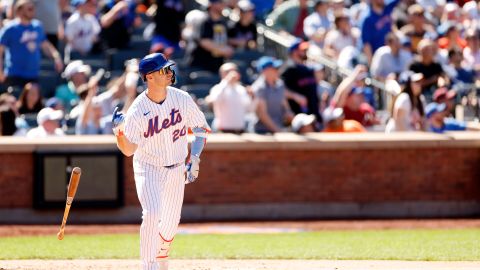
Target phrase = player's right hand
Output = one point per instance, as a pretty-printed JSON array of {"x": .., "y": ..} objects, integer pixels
[{"x": 118, "y": 122}]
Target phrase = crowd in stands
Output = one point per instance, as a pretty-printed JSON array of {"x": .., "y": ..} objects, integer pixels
[{"x": 65, "y": 64}]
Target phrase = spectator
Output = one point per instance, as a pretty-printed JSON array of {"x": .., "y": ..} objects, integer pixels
[
  {"x": 390, "y": 58},
  {"x": 243, "y": 34},
  {"x": 48, "y": 12},
  {"x": 263, "y": 7},
  {"x": 417, "y": 27},
  {"x": 350, "y": 97},
  {"x": 82, "y": 28},
  {"x": 230, "y": 101},
  {"x": 443, "y": 95},
  {"x": 335, "y": 121},
  {"x": 426, "y": 64},
  {"x": 194, "y": 21},
  {"x": 76, "y": 73},
  {"x": 212, "y": 47},
  {"x": 118, "y": 19},
  {"x": 325, "y": 90},
  {"x": 340, "y": 37},
  {"x": 48, "y": 121},
  {"x": 10, "y": 123},
  {"x": 93, "y": 112},
  {"x": 7, "y": 121},
  {"x": 376, "y": 26},
  {"x": 30, "y": 100},
  {"x": 471, "y": 53},
  {"x": 21, "y": 41},
  {"x": 289, "y": 16},
  {"x": 303, "y": 123},
  {"x": 408, "y": 109},
  {"x": 455, "y": 71},
  {"x": 471, "y": 15},
  {"x": 166, "y": 39},
  {"x": 272, "y": 108},
  {"x": 300, "y": 81},
  {"x": 317, "y": 24},
  {"x": 451, "y": 37},
  {"x": 436, "y": 121}
]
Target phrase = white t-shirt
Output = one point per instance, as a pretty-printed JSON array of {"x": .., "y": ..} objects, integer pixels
[
  {"x": 338, "y": 40},
  {"x": 410, "y": 117},
  {"x": 40, "y": 132},
  {"x": 82, "y": 31},
  {"x": 230, "y": 105},
  {"x": 159, "y": 130}
]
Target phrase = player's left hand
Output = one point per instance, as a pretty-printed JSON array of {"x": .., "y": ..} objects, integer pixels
[{"x": 193, "y": 168}]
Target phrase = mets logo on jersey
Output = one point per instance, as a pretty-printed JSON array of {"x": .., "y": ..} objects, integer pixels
[{"x": 174, "y": 119}]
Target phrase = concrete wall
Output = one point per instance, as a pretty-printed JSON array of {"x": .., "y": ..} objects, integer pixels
[{"x": 283, "y": 177}]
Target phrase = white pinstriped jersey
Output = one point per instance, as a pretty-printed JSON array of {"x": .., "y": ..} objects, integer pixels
[{"x": 160, "y": 130}]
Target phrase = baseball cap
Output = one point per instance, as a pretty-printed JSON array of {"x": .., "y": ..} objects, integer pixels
[
  {"x": 21, "y": 3},
  {"x": 300, "y": 120},
  {"x": 245, "y": 5},
  {"x": 433, "y": 108},
  {"x": 442, "y": 93},
  {"x": 356, "y": 90},
  {"x": 76, "y": 66},
  {"x": 415, "y": 9},
  {"x": 77, "y": 3},
  {"x": 298, "y": 44},
  {"x": 331, "y": 113},
  {"x": 48, "y": 113},
  {"x": 266, "y": 62}
]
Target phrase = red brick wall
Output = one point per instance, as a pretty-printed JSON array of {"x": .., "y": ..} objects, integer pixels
[
  {"x": 276, "y": 176},
  {"x": 16, "y": 180}
]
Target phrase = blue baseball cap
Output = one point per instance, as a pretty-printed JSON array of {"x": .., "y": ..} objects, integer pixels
[
  {"x": 266, "y": 62},
  {"x": 433, "y": 108},
  {"x": 153, "y": 62},
  {"x": 298, "y": 44},
  {"x": 76, "y": 3},
  {"x": 356, "y": 90}
]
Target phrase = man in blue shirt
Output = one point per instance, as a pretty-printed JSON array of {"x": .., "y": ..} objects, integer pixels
[
  {"x": 436, "y": 121},
  {"x": 376, "y": 26},
  {"x": 20, "y": 44}
]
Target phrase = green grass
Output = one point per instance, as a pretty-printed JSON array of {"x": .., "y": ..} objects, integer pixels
[{"x": 426, "y": 245}]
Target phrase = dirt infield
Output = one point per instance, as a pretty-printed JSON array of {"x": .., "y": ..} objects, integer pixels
[
  {"x": 239, "y": 227},
  {"x": 239, "y": 265}
]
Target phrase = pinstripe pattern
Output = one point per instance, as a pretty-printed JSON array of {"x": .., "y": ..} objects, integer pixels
[{"x": 160, "y": 131}]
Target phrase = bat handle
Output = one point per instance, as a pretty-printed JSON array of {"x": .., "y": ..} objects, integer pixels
[{"x": 64, "y": 220}]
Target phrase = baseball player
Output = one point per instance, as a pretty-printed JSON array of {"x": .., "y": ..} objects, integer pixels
[{"x": 154, "y": 130}]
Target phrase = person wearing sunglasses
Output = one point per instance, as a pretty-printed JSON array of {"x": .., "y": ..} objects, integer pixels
[{"x": 154, "y": 130}]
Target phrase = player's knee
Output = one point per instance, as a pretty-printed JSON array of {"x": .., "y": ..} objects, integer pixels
[{"x": 151, "y": 217}]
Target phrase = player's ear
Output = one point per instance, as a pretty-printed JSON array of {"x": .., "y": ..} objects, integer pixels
[{"x": 149, "y": 77}]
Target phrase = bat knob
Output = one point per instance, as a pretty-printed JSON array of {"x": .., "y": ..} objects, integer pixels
[{"x": 60, "y": 235}]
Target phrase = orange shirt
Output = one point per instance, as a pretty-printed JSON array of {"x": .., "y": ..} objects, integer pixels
[{"x": 348, "y": 126}]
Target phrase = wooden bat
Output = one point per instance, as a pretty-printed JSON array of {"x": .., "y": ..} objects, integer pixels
[{"x": 72, "y": 189}]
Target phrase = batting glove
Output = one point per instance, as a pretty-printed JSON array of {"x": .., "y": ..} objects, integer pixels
[
  {"x": 193, "y": 167},
  {"x": 118, "y": 122}
]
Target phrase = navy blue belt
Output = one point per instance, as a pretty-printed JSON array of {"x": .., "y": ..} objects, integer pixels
[{"x": 173, "y": 166}]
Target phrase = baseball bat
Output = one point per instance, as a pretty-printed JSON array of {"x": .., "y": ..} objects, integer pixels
[{"x": 72, "y": 189}]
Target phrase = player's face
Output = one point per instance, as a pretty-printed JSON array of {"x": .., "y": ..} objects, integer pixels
[{"x": 163, "y": 76}]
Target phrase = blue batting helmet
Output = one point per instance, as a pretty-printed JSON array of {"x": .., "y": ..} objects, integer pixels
[{"x": 154, "y": 62}]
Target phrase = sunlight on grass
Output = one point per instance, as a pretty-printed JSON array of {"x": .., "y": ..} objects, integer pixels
[{"x": 356, "y": 245}]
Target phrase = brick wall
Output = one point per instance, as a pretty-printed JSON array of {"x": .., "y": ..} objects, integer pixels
[{"x": 294, "y": 175}]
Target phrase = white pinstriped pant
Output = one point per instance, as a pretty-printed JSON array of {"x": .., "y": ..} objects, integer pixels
[{"x": 160, "y": 191}]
